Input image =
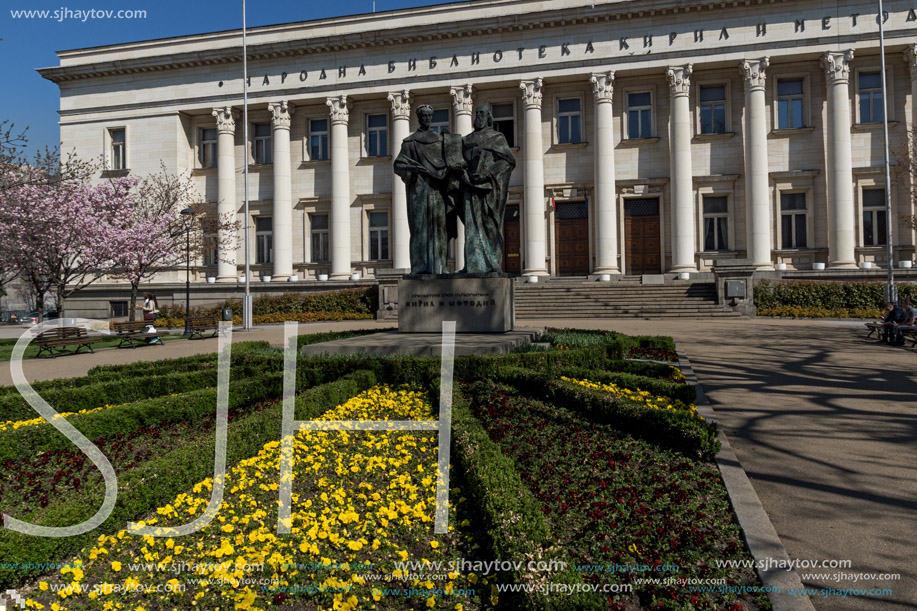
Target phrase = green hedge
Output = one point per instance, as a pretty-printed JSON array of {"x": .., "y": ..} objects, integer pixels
[
  {"x": 157, "y": 482},
  {"x": 640, "y": 368},
  {"x": 125, "y": 390},
  {"x": 676, "y": 430},
  {"x": 330, "y": 336},
  {"x": 512, "y": 516},
  {"x": 686, "y": 393},
  {"x": 827, "y": 295},
  {"x": 352, "y": 301}
]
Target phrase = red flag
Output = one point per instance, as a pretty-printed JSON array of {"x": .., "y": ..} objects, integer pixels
[{"x": 553, "y": 205}]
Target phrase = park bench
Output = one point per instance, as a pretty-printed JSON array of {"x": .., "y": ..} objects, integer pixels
[
  {"x": 61, "y": 337},
  {"x": 874, "y": 328},
  {"x": 132, "y": 333},
  {"x": 198, "y": 325}
]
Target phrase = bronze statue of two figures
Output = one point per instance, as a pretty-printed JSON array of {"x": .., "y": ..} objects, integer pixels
[{"x": 448, "y": 177}]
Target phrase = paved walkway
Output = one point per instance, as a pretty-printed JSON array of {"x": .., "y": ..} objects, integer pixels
[{"x": 824, "y": 422}]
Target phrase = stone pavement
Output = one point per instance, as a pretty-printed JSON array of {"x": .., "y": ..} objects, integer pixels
[{"x": 823, "y": 421}]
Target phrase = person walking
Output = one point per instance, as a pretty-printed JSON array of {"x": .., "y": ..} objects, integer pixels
[{"x": 150, "y": 307}]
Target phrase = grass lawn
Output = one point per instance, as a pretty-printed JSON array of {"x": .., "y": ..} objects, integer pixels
[{"x": 6, "y": 346}]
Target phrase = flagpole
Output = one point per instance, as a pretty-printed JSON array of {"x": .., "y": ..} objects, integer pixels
[
  {"x": 891, "y": 291},
  {"x": 247, "y": 300}
]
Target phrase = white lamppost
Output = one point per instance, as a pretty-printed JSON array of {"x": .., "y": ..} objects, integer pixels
[
  {"x": 247, "y": 299},
  {"x": 891, "y": 291}
]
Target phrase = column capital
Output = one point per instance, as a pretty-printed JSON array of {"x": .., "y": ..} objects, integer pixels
[
  {"x": 340, "y": 113},
  {"x": 910, "y": 56},
  {"x": 401, "y": 104},
  {"x": 461, "y": 99},
  {"x": 680, "y": 79},
  {"x": 281, "y": 114},
  {"x": 755, "y": 73},
  {"x": 226, "y": 121},
  {"x": 532, "y": 93},
  {"x": 837, "y": 66},
  {"x": 603, "y": 86}
]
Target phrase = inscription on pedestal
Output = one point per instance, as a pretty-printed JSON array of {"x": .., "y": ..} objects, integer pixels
[{"x": 477, "y": 305}]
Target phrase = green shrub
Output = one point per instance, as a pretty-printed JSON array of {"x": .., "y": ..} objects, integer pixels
[
  {"x": 347, "y": 301},
  {"x": 640, "y": 368},
  {"x": 679, "y": 431},
  {"x": 511, "y": 515},
  {"x": 809, "y": 312},
  {"x": 158, "y": 481},
  {"x": 827, "y": 295}
]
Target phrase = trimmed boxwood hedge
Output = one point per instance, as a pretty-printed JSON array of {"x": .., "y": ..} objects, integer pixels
[
  {"x": 686, "y": 393},
  {"x": 679, "y": 431},
  {"x": 512, "y": 516},
  {"x": 827, "y": 295},
  {"x": 158, "y": 481}
]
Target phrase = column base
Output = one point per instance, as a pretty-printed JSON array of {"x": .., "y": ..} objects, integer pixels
[
  {"x": 765, "y": 267},
  {"x": 606, "y": 270},
  {"x": 227, "y": 278},
  {"x": 340, "y": 276},
  {"x": 280, "y": 277},
  {"x": 535, "y": 272},
  {"x": 683, "y": 268},
  {"x": 842, "y": 265}
]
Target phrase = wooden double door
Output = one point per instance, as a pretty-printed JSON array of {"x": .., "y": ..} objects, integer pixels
[
  {"x": 571, "y": 238},
  {"x": 512, "y": 262},
  {"x": 642, "y": 248}
]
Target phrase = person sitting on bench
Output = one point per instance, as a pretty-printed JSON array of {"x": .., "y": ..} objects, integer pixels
[
  {"x": 894, "y": 315},
  {"x": 909, "y": 323}
]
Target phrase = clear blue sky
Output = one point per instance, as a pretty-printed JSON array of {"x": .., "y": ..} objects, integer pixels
[{"x": 29, "y": 100}]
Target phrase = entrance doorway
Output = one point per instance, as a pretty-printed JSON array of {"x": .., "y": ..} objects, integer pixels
[
  {"x": 571, "y": 244},
  {"x": 641, "y": 236},
  {"x": 512, "y": 263}
]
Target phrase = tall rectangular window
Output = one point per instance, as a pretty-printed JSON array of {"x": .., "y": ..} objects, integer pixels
[
  {"x": 713, "y": 109},
  {"x": 505, "y": 122},
  {"x": 262, "y": 144},
  {"x": 118, "y": 152},
  {"x": 875, "y": 231},
  {"x": 209, "y": 254},
  {"x": 793, "y": 220},
  {"x": 716, "y": 219},
  {"x": 440, "y": 120},
  {"x": 640, "y": 114},
  {"x": 318, "y": 139},
  {"x": 569, "y": 121},
  {"x": 320, "y": 238},
  {"x": 264, "y": 240},
  {"x": 378, "y": 236},
  {"x": 790, "y": 99},
  {"x": 377, "y": 135},
  {"x": 207, "y": 153},
  {"x": 870, "y": 92}
]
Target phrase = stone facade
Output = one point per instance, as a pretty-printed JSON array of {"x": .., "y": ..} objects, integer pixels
[{"x": 650, "y": 137}]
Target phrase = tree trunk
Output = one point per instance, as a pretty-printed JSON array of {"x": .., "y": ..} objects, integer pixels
[
  {"x": 60, "y": 302},
  {"x": 40, "y": 305},
  {"x": 132, "y": 313}
]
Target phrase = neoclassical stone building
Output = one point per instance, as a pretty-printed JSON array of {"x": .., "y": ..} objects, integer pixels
[{"x": 651, "y": 135}]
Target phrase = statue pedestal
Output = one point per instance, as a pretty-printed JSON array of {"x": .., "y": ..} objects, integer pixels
[{"x": 477, "y": 305}]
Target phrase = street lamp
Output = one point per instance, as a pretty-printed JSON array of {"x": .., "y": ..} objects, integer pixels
[
  {"x": 891, "y": 291},
  {"x": 188, "y": 213}
]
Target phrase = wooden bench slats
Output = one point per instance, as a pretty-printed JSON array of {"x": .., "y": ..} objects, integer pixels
[
  {"x": 131, "y": 333},
  {"x": 61, "y": 337},
  {"x": 198, "y": 325}
]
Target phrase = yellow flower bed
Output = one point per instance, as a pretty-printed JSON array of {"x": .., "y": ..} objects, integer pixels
[
  {"x": 361, "y": 501},
  {"x": 642, "y": 397},
  {"x": 677, "y": 375},
  {"x": 18, "y": 424}
]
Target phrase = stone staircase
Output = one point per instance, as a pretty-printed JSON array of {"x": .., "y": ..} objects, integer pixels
[{"x": 627, "y": 298}]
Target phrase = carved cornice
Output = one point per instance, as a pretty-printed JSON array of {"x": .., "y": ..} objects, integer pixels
[
  {"x": 531, "y": 93},
  {"x": 680, "y": 79},
  {"x": 755, "y": 73},
  {"x": 401, "y": 104},
  {"x": 837, "y": 66},
  {"x": 223, "y": 47},
  {"x": 340, "y": 112},
  {"x": 226, "y": 121},
  {"x": 461, "y": 99},
  {"x": 281, "y": 114},
  {"x": 603, "y": 86}
]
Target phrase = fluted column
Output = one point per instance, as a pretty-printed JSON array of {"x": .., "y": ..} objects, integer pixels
[
  {"x": 401, "y": 129},
  {"x": 462, "y": 106},
  {"x": 683, "y": 242},
  {"x": 226, "y": 188},
  {"x": 906, "y": 236},
  {"x": 283, "y": 200},
  {"x": 535, "y": 229},
  {"x": 340, "y": 189},
  {"x": 606, "y": 211},
  {"x": 841, "y": 235},
  {"x": 757, "y": 191}
]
